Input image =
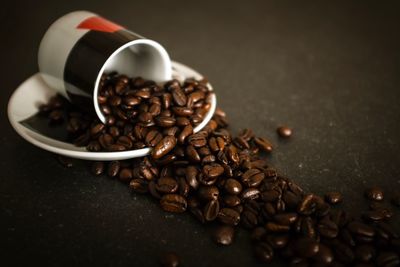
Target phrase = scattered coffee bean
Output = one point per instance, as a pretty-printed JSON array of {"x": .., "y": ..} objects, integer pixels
[
  {"x": 224, "y": 235},
  {"x": 169, "y": 259},
  {"x": 284, "y": 131},
  {"x": 374, "y": 193},
  {"x": 333, "y": 197}
]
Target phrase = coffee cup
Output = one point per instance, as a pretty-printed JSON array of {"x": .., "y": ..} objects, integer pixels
[{"x": 79, "y": 47}]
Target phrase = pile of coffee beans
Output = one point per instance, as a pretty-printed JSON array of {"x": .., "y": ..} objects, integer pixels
[{"x": 222, "y": 178}]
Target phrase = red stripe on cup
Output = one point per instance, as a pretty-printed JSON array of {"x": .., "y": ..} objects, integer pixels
[{"x": 99, "y": 24}]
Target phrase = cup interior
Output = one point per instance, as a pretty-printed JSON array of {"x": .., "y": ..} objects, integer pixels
[{"x": 142, "y": 57}]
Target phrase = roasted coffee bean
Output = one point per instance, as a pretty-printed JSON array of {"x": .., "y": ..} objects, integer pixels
[
  {"x": 258, "y": 233},
  {"x": 263, "y": 252},
  {"x": 276, "y": 228},
  {"x": 365, "y": 253},
  {"x": 113, "y": 168},
  {"x": 56, "y": 116},
  {"x": 277, "y": 241},
  {"x": 333, "y": 197},
  {"x": 116, "y": 147},
  {"x": 187, "y": 131},
  {"x": 361, "y": 229},
  {"x": 232, "y": 154},
  {"x": 375, "y": 215},
  {"x": 213, "y": 170},
  {"x": 179, "y": 96},
  {"x": 224, "y": 235},
  {"x": 253, "y": 177},
  {"x": 197, "y": 140},
  {"x": 191, "y": 177},
  {"x": 97, "y": 129},
  {"x": 125, "y": 175},
  {"x": 192, "y": 154},
  {"x": 250, "y": 193},
  {"x": 131, "y": 100},
  {"x": 208, "y": 192},
  {"x": 153, "y": 137},
  {"x": 211, "y": 210},
  {"x": 284, "y": 131},
  {"x": 286, "y": 218},
  {"x": 229, "y": 216},
  {"x": 182, "y": 111},
  {"x": 167, "y": 185},
  {"x": 306, "y": 247},
  {"x": 163, "y": 147},
  {"x": 307, "y": 227},
  {"x": 374, "y": 193},
  {"x": 263, "y": 144},
  {"x": 65, "y": 161},
  {"x": 164, "y": 121},
  {"x": 232, "y": 186},
  {"x": 248, "y": 219},
  {"x": 98, "y": 168},
  {"x": 173, "y": 203},
  {"x": 125, "y": 141},
  {"x": 231, "y": 200},
  {"x": 169, "y": 259},
  {"x": 388, "y": 259},
  {"x": 324, "y": 255},
  {"x": 270, "y": 195},
  {"x": 327, "y": 228},
  {"x": 307, "y": 205}
]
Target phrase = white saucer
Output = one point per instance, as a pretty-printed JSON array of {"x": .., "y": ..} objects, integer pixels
[{"x": 26, "y": 99}]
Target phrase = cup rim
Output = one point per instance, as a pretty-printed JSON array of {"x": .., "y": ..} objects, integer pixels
[{"x": 154, "y": 44}]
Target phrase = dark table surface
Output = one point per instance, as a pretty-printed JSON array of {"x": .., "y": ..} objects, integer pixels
[{"x": 329, "y": 70}]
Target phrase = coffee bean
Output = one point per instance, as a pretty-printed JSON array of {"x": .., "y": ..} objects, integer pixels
[
  {"x": 307, "y": 205},
  {"x": 284, "y": 131},
  {"x": 232, "y": 186},
  {"x": 333, "y": 197},
  {"x": 213, "y": 170},
  {"x": 65, "y": 161},
  {"x": 229, "y": 216},
  {"x": 263, "y": 144},
  {"x": 153, "y": 137},
  {"x": 231, "y": 200},
  {"x": 179, "y": 96},
  {"x": 224, "y": 235},
  {"x": 163, "y": 147},
  {"x": 327, "y": 228},
  {"x": 375, "y": 215},
  {"x": 250, "y": 193},
  {"x": 365, "y": 253},
  {"x": 253, "y": 177},
  {"x": 169, "y": 259},
  {"x": 187, "y": 131},
  {"x": 208, "y": 192},
  {"x": 164, "y": 121},
  {"x": 286, "y": 218},
  {"x": 277, "y": 241},
  {"x": 182, "y": 111},
  {"x": 263, "y": 252},
  {"x": 173, "y": 203},
  {"x": 125, "y": 175},
  {"x": 306, "y": 247},
  {"x": 270, "y": 195},
  {"x": 324, "y": 255},
  {"x": 374, "y": 193},
  {"x": 277, "y": 228},
  {"x": 167, "y": 185},
  {"x": 388, "y": 259},
  {"x": 98, "y": 168},
  {"x": 361, "y": 229},
  {"x": 197, "y": 140},
  {"x": 248, "y": 219},
  {"x": 211, "y": 210},
  {"x": 113, "y": 168}
]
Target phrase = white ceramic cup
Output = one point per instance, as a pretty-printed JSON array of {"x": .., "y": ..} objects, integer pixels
[{"x": 80, "y": 46}]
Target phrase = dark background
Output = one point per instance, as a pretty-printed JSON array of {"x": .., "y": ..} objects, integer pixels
[{"x": 329, "y": 69}]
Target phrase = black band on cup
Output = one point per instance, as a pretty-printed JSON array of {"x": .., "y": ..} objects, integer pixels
[{"x": 86, "y": 59}]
